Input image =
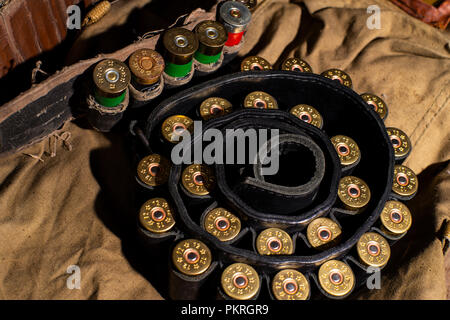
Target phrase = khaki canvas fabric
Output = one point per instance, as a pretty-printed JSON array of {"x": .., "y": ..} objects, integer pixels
[{"x": 69, "y": 199}]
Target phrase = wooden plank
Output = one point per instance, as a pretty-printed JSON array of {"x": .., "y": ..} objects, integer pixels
[
  {"x": 60, "y": 14},
  {"x": 23, "y": 32},
  {"x": 7, "y": 57},
  {"x": 42, "y": 19}
]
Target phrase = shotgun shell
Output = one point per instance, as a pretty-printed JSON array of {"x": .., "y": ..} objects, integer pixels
[
  {"x": 338, "y": 75},
  {"x": 336, "y": 278},
  {"x": 211, "y": 36},
  {"x": 222, "y": 224},
  {"x": 400, "y": 143},
  {"x": 147, "y": 66},
  {"x": 290, "y": 284},
  {"x": 240, "y": 281},
  {"x": 198, "y": 179},
  {"x": 111, "y": 79},
  {"x": 353, "y": 192},
  {"x": 373, "y": 250},
  {"x": 405, "y": 181},
  {"x": 377, "y": 104},
  {"x": 296, "y": 64},
  {"x": 191, "y": 257},
  {"x": 180, "y": 45},
  {"x": 322, "y": 232},
  {"x": 156, "y": 216},
  {"x": 235, "y": 17},
  {"x": 153, "y": 170},
  {"x": 395, "y": 218},
  {"x": 260, "y": 100},
  {"x": 274, "y": 241},
  {"x": 308, "y": 114},
  {"x": 347, "y": 150},
  {"x": 173, "y": 127},
  {"x": 255, "y": 63},
  {"x": 215, "y": 107},
  {"x": 250, "y": 4}
]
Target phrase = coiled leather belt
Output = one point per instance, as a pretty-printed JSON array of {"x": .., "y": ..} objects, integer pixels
[{"x": 305, "y": 188}]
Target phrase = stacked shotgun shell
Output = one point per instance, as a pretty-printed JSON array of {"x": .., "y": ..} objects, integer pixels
[{"x": 184, "y": 53}]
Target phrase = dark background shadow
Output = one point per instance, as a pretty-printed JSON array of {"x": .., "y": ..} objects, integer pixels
[{"x": 116, "y": 204}]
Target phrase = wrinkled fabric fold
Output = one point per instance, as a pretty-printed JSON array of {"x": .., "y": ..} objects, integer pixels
[{"x": 73, "y": 209}]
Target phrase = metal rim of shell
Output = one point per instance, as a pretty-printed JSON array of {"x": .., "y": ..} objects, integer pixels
[
  {"x": 250, "y": 4},
  {"x": 147, "y": 66},
  {"x": 214, "y": 107},
  {"x": 322, "y": 231},
  {"x": 156, "y": 215},
  {"x": 405, "y": 181},
  {"x": 222, "y": 224},
  {"x": 336, "y": 278},
  {"x": 260, "y": 100},
  {"x": 338, "y": 75},
  {"x": 396, "y": 217},
  {"x": 240, "y": 281},
  {"x": 191, "y": 257},
  {"x": 308, "y": 114},
  {"x": 235, "y": 14},
  {"x": 290, "y": 284},
  {"x": 378, "y": 105},
  {"x": 153, "y": 170},
  {"x": 211, "y": 33},
  {"x": 274, "y": 241},
  {"x": 296, "y": 64},
  {"x": 174, "y": 126},
  {"x": 198, "y": 179},
  {"x": 400, "y": 142},
  {"x": 180, "y": 44},
  {"x": 373, "y": 250},
  {"x": 255, "y": 63},
  {"x": 347, "y": 149},
  {"x": 353, "y": 192},
  {"x": 111, "y": 76}
]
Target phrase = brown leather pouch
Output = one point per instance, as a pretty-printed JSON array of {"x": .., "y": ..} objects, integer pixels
[
  {"x": 29, "y": 28},
  {"x": 438, "y": 15}
]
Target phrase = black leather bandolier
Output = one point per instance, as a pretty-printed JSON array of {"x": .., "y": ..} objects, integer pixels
[
  {"x": 318, "y": 227},
  {"x": 309, "y": 186}
]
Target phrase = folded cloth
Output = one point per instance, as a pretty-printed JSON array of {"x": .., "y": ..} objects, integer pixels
[{"x": 77, "y": 208}]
